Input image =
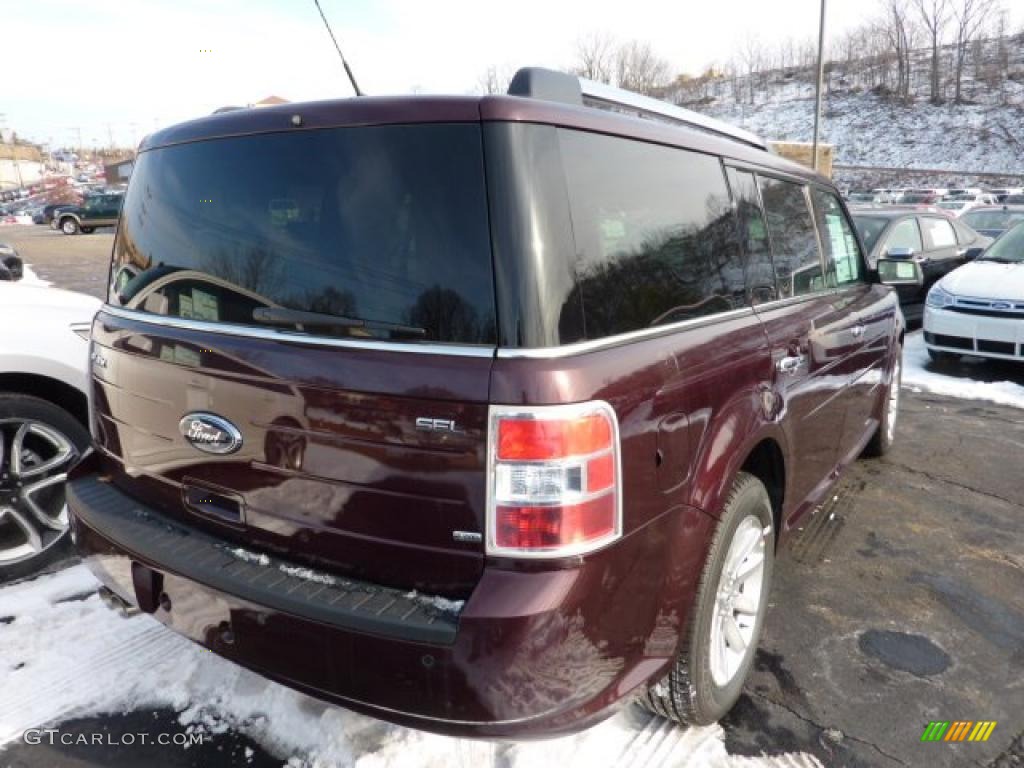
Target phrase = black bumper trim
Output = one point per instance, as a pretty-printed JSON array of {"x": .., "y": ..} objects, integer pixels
[{"x": 193, "y": 554}]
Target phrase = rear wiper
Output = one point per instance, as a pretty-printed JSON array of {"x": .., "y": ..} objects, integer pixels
[{"x": 284, "y": 316}]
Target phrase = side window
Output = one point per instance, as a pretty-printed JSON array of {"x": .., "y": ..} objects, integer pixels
[
  {"x": 938, "y": 233},
  {"x": 842, "y": 253},
  {"x": 760, "y": 275},
  {"x": 794, "y": 243},
  {"x": 964, "y": 234},
  {"x": 904, "y": 234},
  {"x": 654, "y": 230}
]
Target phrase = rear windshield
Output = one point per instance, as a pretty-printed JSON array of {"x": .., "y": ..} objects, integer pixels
[
  {"x": 367, "y": 232},
  {"x": 992, "y": 219}
]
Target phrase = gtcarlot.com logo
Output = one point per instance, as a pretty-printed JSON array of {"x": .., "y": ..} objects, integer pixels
[
  {"x": 54, "y": 736},
  {"x": 958, "y": 730}
]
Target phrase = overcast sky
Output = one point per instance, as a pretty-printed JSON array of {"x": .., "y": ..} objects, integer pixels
[{"x": 124, "y": 67}]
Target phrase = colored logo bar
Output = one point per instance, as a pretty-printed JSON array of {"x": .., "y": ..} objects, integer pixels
[{"x": 958, "y": 730}]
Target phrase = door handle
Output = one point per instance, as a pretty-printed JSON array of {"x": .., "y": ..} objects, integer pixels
[
  {"x": 790, "y": 364},
  {"x": 858, "y": 331}
]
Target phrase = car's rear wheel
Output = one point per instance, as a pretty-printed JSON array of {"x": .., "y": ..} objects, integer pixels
[
  {"x": 39, "y": 442},
  {"x": 728, "y": 615},
  {"x": 69, "y": 226}
]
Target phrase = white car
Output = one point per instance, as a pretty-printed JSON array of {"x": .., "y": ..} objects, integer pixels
[
  {"x": 43, "y": 417},
  {"x": 978, "y": 309}
]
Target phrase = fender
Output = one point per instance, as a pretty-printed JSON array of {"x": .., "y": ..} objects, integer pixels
[{"x": 726, "y": 442}]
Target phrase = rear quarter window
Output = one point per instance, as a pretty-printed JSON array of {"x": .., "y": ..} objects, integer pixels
[
  {"x": 655, "y": 236},
  {"x": 794, "y": 241}
]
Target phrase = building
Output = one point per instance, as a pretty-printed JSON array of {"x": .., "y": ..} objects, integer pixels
[{"x": 119, "y": 172}]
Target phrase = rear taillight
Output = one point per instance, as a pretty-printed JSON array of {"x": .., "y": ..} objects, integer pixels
[{"x": 555, "y": 480}]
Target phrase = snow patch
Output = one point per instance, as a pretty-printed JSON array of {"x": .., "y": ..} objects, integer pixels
[
  {"x": 438, "y": 603},
  {"x": 918, "y": 377},
  {"x": 307, "y": 574},
  {"x": 249, "y": 557},
  {"x": 29, "y": 277},
  {"x": 80, "y": 658}
]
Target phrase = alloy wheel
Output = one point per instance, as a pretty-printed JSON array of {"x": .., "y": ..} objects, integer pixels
[
  {"x": 34, "y": 461},
  {"x": 738, "y": 601}
]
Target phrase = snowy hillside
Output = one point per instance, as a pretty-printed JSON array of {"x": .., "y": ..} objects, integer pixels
[{"x": 871, "y": 127}]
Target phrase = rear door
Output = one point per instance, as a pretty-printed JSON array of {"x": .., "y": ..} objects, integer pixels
[
  {"x": 807, "y": 335},
  {"x": 330, "y": 295},
  {"x": 942, "y": 251}
]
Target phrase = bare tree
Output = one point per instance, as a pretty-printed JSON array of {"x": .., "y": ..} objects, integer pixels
[
  {"x": 494, "y": 80},
  {"x": 934, "y": 15},
  {"x": 752, "y": 59},
  {"x": 639, "y": 69},
  {"x": 969, "y": 16},
  {"x": 596, "y": 58},
  {"x": 899, "y": 31}
]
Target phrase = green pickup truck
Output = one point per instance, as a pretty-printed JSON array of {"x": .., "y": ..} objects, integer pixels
[{"x": 96, "y": 211}]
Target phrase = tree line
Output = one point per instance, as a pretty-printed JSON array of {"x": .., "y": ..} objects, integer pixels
[{"x": 908, "y": 50}]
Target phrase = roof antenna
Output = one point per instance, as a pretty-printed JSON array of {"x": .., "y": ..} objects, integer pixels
[{"x": 348, "y": 70}]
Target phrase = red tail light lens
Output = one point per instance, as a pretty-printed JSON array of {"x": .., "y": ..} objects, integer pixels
[{"x": 555, "y": 486}]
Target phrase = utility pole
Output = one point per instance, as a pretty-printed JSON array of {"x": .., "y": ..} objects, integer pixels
[{"x": 821, "y": 78}]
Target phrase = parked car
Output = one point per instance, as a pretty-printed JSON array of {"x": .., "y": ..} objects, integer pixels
[
  {"x": 11, "y": 265},
  {"x": 491, "y": 402},
  {"x": 979, "y": 308},
  {"x": 43, "y": 418},
  {"x": 992, "y": 221},
  {"x": 863, "y": 197},
  {"x": 1002, "y": 193},
  {"x": 1013, "y": 200},
  {"x": 936, "y": 242},
  {"x": 50, "y": 211},
  {"x": 96, "y": 211}
]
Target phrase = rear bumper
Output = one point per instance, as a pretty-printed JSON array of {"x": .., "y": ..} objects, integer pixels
[
  {"x": 530, "y": 653},
  {"x": 996, "y": 337}
]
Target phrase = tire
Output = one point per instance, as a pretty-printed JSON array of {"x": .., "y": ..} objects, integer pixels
[
  {"x": 69, "y": 226},
  {"x": 52, "y": 436},
  {"x": 941, "y": 357},
  {"x": 87, "y": 230},
  {"x": 881, "y": 442},
  {"x": 698, "y": 690}
]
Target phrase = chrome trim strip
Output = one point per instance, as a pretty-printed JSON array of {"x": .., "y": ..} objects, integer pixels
[
  {"x": 580, "y": 347},
  {"x": 268, "y": 334}
]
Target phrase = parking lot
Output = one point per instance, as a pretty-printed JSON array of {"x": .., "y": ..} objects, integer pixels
[{"x": 901, "y": 602}]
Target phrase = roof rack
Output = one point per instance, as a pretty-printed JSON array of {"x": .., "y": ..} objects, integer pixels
[{"x": 548, "y": 84}]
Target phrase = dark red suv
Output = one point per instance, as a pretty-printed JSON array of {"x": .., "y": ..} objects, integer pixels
[{"x": 481, "y": 415}]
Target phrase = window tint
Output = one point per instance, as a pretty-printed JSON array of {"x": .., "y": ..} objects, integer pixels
[
  {"x": 794, "y": 243},
  {"x": 384, "y": 224},
  {"x": 938, "y": 233},
  {"x": 904, "y": 234},
  {"x": 753, "y": 236},
  {"x": 842, "y": 253},
  {"x": 870, "y": 229},
  {"x": 655, "y": 234}
]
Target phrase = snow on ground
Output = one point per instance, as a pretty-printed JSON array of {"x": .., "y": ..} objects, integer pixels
[
  {"x": 64, "y": 654},
  {"x": 29, "y": 277},
  {"x": 918, "y": 378}
]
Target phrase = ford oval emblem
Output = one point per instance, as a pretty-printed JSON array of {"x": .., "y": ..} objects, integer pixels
[{"x": 210, "y": 433}]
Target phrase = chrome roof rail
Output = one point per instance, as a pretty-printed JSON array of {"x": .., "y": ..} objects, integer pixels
[
  {"x": 551, "y": 85},
  {"x": 621, "y": 100}
]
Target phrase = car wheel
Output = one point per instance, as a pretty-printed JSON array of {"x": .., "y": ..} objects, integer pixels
[
  {"x": 941, "y": 357},
  {"x": 69, "y": 226},
  {"x": 728, "y": 615},
  {"x": 87, "y": 230},
  {"x": 881, "y": 442},
  {"x": 39, "y": 443}
]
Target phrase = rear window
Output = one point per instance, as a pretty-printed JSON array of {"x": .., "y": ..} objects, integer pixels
[
  {"x": 992, "y": 219},
  {"x": 374, "y": 232},
  {"x": 656, "y": 240}
]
